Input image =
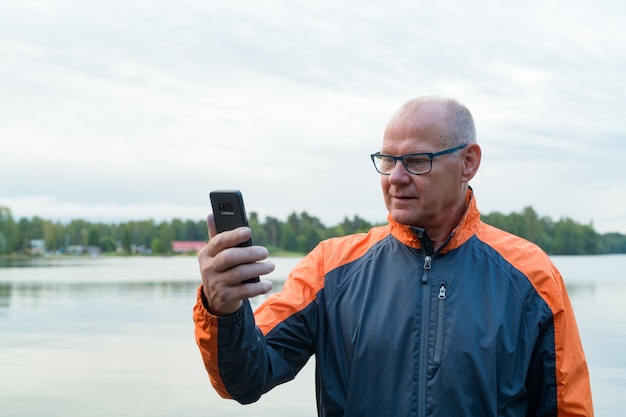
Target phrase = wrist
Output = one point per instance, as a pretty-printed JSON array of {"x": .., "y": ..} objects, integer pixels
[{"x": 220, "y": 312}]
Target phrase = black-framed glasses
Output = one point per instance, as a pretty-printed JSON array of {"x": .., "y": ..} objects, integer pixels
[{"x": 414, "y": 163}]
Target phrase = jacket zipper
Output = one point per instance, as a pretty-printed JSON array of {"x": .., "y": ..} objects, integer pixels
[
  {"x": 427, "y": 265},
  {"x": 440, "y": 310},
  {"x": 423, "y": 363}
]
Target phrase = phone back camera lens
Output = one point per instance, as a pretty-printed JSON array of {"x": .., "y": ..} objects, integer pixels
[{"x": 226, "y": 207}]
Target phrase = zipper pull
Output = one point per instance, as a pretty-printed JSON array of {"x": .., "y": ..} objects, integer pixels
[
  {"x": 427, "y": 261},
  {"x": 442, "y": 292}
]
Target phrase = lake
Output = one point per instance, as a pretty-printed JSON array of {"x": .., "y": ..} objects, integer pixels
[{"x": 114, "y": 336}]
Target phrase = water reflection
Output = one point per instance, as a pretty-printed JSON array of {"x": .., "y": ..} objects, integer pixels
[
  {"x": 75, "y": 328},
  {"x": 41, "y": 262},
  {"x": 5, "y": 296},
  {"x": 32, "y": 292},
  {"x": 581, "y": 289}
]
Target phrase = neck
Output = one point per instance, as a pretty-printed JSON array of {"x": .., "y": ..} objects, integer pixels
[{"x": 440, "y": 235}]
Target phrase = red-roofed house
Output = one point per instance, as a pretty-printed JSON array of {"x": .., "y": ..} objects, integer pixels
[{"x": 186, "y": 246}]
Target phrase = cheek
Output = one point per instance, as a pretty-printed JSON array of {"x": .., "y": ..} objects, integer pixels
[{"x": 384, "y": 183}]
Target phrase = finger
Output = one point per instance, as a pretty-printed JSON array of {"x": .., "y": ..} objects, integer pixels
[
  {"x": 224, "y": 299},
  {"x": 253, "y": 289},
  {"x": 233, "y": 257},
  {"x": 228, "y": 239},
  {"x": 232, "y": 295},
  {"x": 210, "y": 222},
  {"x": 243, "y": 272}
]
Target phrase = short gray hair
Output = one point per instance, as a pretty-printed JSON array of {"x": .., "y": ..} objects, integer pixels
[{"x": 461, "y": 126}]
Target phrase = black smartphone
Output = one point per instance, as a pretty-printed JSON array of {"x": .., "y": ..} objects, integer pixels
[{"x": 229, "y": 213}]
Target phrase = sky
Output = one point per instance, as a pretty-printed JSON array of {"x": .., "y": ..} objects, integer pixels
[{"x": 113, "y": 111}]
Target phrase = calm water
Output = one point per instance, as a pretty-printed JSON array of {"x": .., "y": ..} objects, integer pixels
[{"x": 114, "y": 336}]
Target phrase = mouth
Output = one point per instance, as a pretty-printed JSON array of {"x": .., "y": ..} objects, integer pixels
[{"x": 401, "y": 200}]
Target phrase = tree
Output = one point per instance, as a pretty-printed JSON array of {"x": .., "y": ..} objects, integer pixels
[
  {"x": 9, "y": 230},
  {"x": 3, "y": 243},
  {"x": 273, "y": 228},
  {"x": 199, "y": 229},
  {"x": 165, "y": 238},
  {"x": 94, "y": 237},
  {"x": 288, "y": 240},
  {"x": 311, "y": 232},
  {"x": 56, "y": 235},
  {"x": 300, "y": 233},
  {"x": 347, "y": 226},
  {"x": 259, "y": 234},
  {"x": 568, "y": 238},
  {"x": 78, "y": 232},
  {"x": 156, "y": 246},
  {"x": 590, "y": 240},
  {"x": 613, "y": 243},
  {"x": 126, "y": 240},
  {"x": 179, "y": 229},
  {"x": 108, "y": 244}
]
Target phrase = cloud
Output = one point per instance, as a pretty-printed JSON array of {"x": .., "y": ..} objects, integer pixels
[{"x": 123, "y": 108}]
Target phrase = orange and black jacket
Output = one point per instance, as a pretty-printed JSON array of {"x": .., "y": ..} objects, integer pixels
[{"x": 482, "y": 327}]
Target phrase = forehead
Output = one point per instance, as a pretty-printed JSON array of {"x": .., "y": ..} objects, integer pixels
[{"x": 421, "y": 129}]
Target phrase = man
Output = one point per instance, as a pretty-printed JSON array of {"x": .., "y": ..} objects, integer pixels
[{"x": 435, "y": 314}]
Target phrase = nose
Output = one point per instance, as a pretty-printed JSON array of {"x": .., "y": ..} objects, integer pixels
[{"x": 399, "y": 173}]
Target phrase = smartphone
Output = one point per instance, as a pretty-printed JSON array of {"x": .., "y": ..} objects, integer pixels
[{"x": 229, "y": 213}]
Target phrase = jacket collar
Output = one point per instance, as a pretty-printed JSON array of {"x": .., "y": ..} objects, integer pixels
[{"x": 417, "y": 238}]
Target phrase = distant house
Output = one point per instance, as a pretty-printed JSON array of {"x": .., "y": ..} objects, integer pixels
[
  {"x": 186, "y": 246},
  {"x": 38, "y": 246}
]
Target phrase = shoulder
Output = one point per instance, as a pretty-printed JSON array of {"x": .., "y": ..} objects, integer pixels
[
  {"x": 512, "y": 247},
  {"x": 527, "y": 258},
  {"x": 341, "y": 250},
  {"x": 335, "y": 252}
]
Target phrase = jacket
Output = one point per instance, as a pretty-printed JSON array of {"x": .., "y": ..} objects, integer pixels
[{"x": 481, "y": 327}]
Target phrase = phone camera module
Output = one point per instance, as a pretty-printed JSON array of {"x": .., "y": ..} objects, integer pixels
[{"x": 226, "y": 207}]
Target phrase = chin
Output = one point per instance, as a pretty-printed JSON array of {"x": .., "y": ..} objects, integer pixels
[{"x": 403, "y": 216}]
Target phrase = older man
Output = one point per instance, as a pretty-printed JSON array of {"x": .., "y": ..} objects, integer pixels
[{"x": 434, "y": 314}]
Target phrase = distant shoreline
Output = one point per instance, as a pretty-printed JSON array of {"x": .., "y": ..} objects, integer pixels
[{"x": 27, "y": 257}]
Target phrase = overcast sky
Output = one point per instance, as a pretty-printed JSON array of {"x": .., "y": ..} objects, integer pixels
[{"x": 130, "y": 110}]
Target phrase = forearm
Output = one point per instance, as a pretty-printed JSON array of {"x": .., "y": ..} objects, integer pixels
[
  {"x": 573, "y": 382},
  {"x": 558, "y": 378},
  {"x": 236, "y": 355}
]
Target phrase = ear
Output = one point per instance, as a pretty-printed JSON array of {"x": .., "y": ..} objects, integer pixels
[{"x": 471, "y": 161}]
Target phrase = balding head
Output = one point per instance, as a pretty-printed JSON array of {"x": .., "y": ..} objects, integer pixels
[{"x": 457, "y": 119}]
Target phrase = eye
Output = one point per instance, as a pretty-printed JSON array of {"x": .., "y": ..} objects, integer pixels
[
  {"x": 386, "y": 163},
  {"x": 416, "y": 163}
]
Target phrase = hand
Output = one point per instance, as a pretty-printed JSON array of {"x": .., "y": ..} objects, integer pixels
[{"x": 224, "y": 266}]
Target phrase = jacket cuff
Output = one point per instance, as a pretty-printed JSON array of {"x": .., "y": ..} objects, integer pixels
[{"x": 202, "y": 307}]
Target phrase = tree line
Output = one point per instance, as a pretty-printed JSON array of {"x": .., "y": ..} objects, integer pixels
[{"x": 300, "y": 233}]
